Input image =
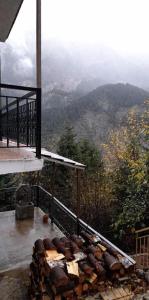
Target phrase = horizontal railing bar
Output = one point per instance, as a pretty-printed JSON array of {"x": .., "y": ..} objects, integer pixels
[
  {"x": 87, "y": 226},
  {"x": 8, "y": 188},
  {"x": 28, "y": 95},
  {"x": 20, "y": 146},
  {"x": 143, "y": 236},
  {"x": 70, "y": 213},
  {"x": 18, "y": 87},
  {"x": 142, "y": 230},
  {"x": 60, "y": 204},
  {"x": 15, "y": 97}
]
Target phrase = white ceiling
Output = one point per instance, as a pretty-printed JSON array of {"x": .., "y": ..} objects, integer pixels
[{"x": 8, "y": 12}]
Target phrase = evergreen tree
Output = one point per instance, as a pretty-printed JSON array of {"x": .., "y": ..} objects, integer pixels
[{"x": 67, "y": 145}]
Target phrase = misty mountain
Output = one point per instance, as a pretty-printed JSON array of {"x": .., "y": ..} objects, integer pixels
[
  {"x": 71, "y": 66},
  {"x": 95, "y": 114}
]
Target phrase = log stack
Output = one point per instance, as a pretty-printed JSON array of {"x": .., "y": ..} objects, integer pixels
[{"x": 73, "y": 266}]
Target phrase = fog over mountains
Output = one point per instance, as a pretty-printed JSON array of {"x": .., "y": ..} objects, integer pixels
[
  {"x": 89, "y": 87},
  {"x": 66, "y": 65}
]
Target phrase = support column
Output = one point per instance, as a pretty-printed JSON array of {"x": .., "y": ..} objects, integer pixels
[
  {"x": 0, "y": 99},
  {"x": 38, "y": 43},
  {"x": 38, "y": 77}
]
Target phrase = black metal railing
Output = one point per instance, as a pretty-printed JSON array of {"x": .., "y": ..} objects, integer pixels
[
  {"x": 59, "y": 214},
  {"x": 20, "y": 117}
]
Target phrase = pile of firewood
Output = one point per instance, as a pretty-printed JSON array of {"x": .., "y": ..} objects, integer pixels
[{"x": 68, "y": 268}]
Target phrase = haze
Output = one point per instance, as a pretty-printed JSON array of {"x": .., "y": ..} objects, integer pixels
[
  {"x": 105, "y": 40},
  {"x": 120, "y": 24}
]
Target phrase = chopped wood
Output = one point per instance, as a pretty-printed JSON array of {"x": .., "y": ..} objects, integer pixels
[
  {"x": 72, "y": 268},
  {"x": 54, "y": 255},
  {"x": 85, "y": 287},
  {"x": 48, "y": 245},
  {"x": 39, "y": 247},
  {"x": 78, "y": 290},
  {"x": 85, "y": 267},
  {"x": 74, "y": 247},
  {"x": 113, "y": 263},
  {"x": 58, "y": 297},
  {"x": 61, "y": 289},
  {"x": 66, "y": 241},
  {"x": 96, "y": 264},
  {"x": 109, "y": 248},
  {"x": 88, "y": 237},
  {"x": 59, "y": 277},
  {"x": 102, "y": 247},
  {"x": 77, "y": 240},
  {"x": 96, "y": 251},
  {"x": 58, "y": 243}
]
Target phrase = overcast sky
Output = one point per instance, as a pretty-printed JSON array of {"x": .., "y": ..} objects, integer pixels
[{"x": 121, "y": 24}]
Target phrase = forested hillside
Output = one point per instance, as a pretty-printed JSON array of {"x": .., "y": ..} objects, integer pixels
[{"x": 93, "y": 115}]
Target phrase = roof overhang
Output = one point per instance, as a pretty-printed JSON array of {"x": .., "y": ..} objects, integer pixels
[
  {"x": 58, "y": 159},
  {"x": 8, "y": 13}
]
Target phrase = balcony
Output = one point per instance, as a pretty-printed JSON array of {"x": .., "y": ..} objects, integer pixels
[
  {"x": 20, "y": 129},
  {"x": 18, "y": 236}
]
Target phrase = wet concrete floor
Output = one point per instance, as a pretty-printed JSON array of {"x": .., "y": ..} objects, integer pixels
[{"x": 17, "y": 238}]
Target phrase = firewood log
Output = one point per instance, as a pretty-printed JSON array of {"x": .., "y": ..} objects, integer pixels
[
  {"x": 81, "y": 276},
  {"x": 48, "y": 245},
  {"x": 96, "y": 264},
  {"x": 85, "y": 287},
  {"x": 109, "y": 248},
  {"x": 61, "y": 289},
  {"x": 47, "y": 269},
  {"x": 112, "y": 262},
  {"x": 34, "y": 272},
  {"x": 79, "y": 289},
  {"x": 66, "y": 241},
  {"x": 77, "y": 240},
  {"x": 85, "y": 267},
  {"x": 62, "y": 249},
  {"x": 58, "y": 243},
  {"x": 58, "y": 277},
  {"x": 39, "y": 247},
  {"x": 96, "y": 251},
  {"x": 122, "y": 271},
  {"x": 74, "y": 247},
  {"x": 57, "y": 297},
  {"x": 68, "y": 294},
  {"x": 66, "y": 252},
  {"x": 87, "y": 237}
]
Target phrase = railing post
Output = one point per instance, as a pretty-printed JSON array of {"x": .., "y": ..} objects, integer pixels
[
  {"x": 0, "y": 104},
  {"x": 0, "y": 121},
  {"x": 18, "y": 125},
  {"x": 27, "y": 122},
  {"x": 7, "y": 120},
  {"x": 78, "y": 202},
  {"x": 38, "y": 123},
  {"x": 51, "y": 210},
  {"x": 37, "y": 196}
]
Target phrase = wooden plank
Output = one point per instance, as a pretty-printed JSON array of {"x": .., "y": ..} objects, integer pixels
[
  {"x": 111, "y": 295},
  {"x": 105, "y": 296},
  {"x": 122, "y": 292},
  {"x": 117, "y": 293},
  {"x": 127, "y": 291}
]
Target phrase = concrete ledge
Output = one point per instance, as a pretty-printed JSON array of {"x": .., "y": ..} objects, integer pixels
[{"x": 8, "y": 166}]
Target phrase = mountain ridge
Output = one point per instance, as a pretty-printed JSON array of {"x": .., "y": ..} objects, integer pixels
[{"x": 96, "y": 113}]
